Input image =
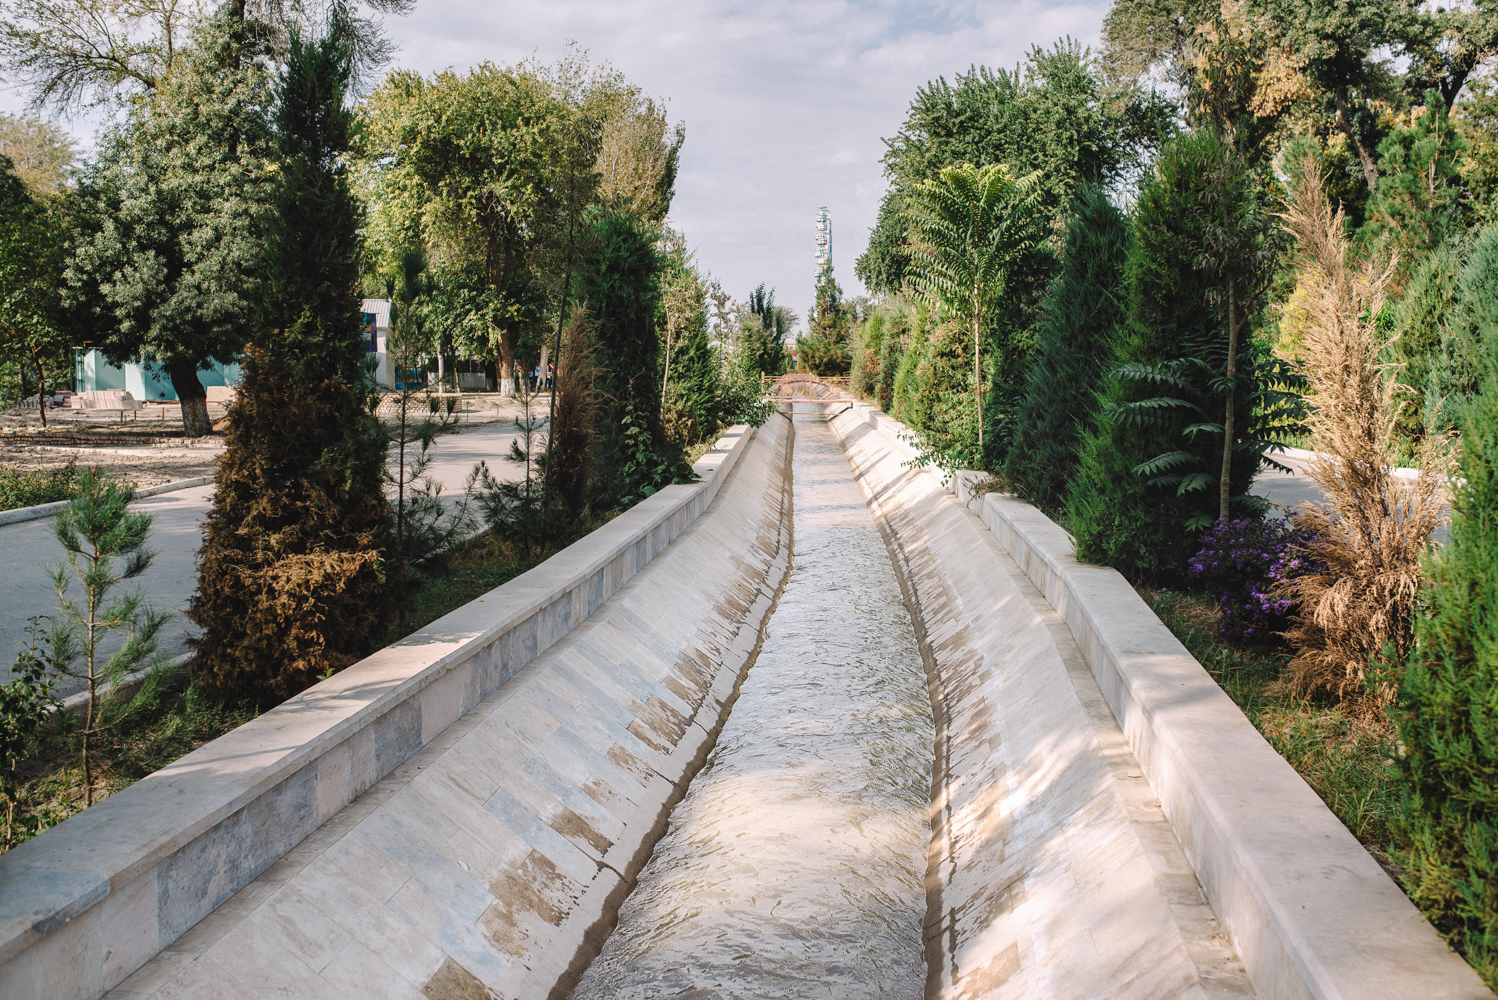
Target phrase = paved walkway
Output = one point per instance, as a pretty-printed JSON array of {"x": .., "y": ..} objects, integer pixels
[{"x": 29, "y": 548}]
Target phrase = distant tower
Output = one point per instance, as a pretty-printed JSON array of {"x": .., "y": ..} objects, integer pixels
[{"x": 824, "y": 239}]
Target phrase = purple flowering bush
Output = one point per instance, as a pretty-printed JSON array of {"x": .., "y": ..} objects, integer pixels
[{"x": 1241, "y": 564}]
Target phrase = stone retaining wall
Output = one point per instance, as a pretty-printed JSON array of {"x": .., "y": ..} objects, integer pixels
[
  {"x": 1309, "y": 912},
  {"x": 90, "y": 901}
]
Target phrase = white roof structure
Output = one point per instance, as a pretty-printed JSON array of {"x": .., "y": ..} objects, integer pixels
[{"x": 381, "y": 310}]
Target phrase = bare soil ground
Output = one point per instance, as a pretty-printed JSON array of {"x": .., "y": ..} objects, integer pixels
[
  {"x": 139, "y": 465},
  {"x": 147, "y": 447}
]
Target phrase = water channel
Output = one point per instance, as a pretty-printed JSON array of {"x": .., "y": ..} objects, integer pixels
[{"x": 794, "y": 867}]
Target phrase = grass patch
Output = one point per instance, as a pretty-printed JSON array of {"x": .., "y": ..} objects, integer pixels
[
  {"x": 38, "y": 486},
  {"x": 166, "y": 719},
  {"x": 1346, "y": 759},
  {"x": 448, "y": 582},
  {"x": 695, "y": 453}
]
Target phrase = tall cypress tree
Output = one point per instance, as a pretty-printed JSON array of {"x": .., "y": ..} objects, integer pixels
[
  {"x": 291, "y": 574},
  {"x": 1429, "y": 298},
  {"x": 1447, "y": 710},
  {"x": 1118, "y": 516},
  {"x": 1082, "y": 307},
  {"x": 620, "y": 282}
]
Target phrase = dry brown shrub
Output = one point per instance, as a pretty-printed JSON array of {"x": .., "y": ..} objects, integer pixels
[{"x": 1373, "y": 527}]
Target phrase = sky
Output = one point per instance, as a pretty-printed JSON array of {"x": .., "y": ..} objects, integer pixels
[{"x": 786, "y": 105}]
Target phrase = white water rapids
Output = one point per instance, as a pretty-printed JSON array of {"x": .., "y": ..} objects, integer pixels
[{"x": 794, "y": 867}]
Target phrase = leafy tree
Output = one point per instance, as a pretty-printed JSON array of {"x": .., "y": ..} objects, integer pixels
[
  {"x": 96, "y": 529},
  {"x": 1049, "y": 117},
  {"x": 639, "y": 151},
  {"x": 683, "y": 299},
  {"x": 1139, "y": 35},
  {"x": 1336, "y": 41},
  {"x": 74, "y": 54},
  {"x": 1082, "y": 310},
  {"x": 33, "y": 244},
  {"x": 478, "y": 152},
  {"x": 292, "y": 572},
  {"x": 43, "y": 153},
  {"x": 1446, "y": 46},
  {"x": 170, "y": 259},
  {"x": 971, "y": 229},
  {"x": 25, "y": 703}
]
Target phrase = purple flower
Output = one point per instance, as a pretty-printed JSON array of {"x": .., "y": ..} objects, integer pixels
[{"x": 1240, "y": 564}]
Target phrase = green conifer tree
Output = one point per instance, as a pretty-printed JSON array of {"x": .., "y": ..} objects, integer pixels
[
  {"x": 1429, "y": 298},
  {"x": 1447, "y": 709},
  {"x": 619, "y": 281},
  {"x": 1119, "y": 517},
  {"x": 1163, "y": 460},
  {"x": 824, "y": 349},
  {"x": 1082, "y": 308},
  {"x": 291, "y": 581}
]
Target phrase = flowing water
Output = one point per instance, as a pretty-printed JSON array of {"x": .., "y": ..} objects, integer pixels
[{"x": 794, "y": 867}]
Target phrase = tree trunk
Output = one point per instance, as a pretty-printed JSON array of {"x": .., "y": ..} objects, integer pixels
[
  {"x": 978, "y": 385},
  {"x": 506, "y": 362},
  {"x": 1344, "y": 119},
  {"x": 41, "y": 386},
  {"x": 193, "y": 398},
  {"x": 1224, "y": 488}
]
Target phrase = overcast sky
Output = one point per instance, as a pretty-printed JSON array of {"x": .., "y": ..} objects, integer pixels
[{"x": 785, "y": 104}]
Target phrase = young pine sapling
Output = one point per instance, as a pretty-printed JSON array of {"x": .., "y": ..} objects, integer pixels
[{"x": 96, "y": 529}]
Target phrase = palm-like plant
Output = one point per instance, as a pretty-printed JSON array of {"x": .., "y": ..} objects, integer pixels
[{"x": 969, "y": 227}]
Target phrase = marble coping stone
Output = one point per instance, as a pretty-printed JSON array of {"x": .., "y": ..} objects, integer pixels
[
  {"x": 90, "y": 900},
  {"x": 1053, "y": 871},
  {"x": 1310, "y": 912}
]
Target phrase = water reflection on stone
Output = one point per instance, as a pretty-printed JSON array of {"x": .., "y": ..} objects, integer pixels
[{"x": 794, "y": 866}]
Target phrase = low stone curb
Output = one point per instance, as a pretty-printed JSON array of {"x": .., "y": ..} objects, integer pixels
[{"x": 49, "y": 509}]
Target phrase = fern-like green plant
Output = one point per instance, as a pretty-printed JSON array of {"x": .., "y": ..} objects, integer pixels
[
  {"x": 1268, "y": 402},
  {"x": 969, "y": 229}
]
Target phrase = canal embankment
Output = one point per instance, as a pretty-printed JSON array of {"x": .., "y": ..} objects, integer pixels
[{"x": 459, "y": 812}]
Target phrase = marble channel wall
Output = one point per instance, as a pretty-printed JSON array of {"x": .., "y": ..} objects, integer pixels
[
  {"x": 458, "y": 815},
  {"x": 1106, "y": 821}
]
